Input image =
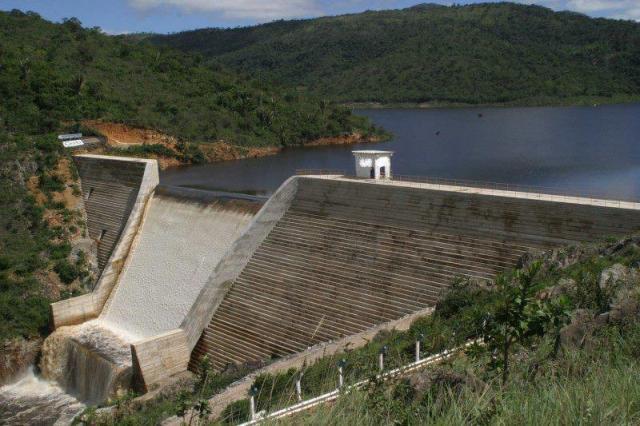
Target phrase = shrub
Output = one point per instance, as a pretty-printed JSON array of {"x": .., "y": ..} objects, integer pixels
[
  {"x": 51, "y": 183},
  {"x": 59, "y": 251},
  {"x": 66, "y": 271}
]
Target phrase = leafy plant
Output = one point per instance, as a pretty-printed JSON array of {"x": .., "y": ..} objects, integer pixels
[{"x": 510, "y": 319}]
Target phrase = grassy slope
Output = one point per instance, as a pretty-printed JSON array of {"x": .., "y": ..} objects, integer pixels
[
  {"x": 582, "y": 387},
  {"x": 486, "y": 53},
  {"x": 30, "y": 247}
]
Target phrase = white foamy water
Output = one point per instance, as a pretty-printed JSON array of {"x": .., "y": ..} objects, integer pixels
[
  {"x": 81, "y": 365},
  {"x": 178, "y": 248},
  {"x": 35, "y": 401},
  {"x": 180, "y": 244}
]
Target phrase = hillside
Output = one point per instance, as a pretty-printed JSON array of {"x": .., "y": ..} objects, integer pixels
[
  {"x": 58, "y": 77},
  {"x": 483, "y": 53},
  {"x": 53, "y": 74}
]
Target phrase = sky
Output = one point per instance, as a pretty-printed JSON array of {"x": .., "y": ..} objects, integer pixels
[{"x": 166, "y": 16}]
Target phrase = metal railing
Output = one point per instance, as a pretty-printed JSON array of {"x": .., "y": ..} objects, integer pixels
[
  {"x": 528, "y": 191},
  {"x": 331, "y": 172},
  {"x": 303, "y": 405}
]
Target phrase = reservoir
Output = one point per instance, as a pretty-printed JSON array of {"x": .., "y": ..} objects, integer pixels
[{"x": 585, "y": 150}]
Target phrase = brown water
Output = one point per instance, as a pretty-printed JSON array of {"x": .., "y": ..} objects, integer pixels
[
  {"x": 80, "y": 365},
  {"x": 33, "y": 400}
]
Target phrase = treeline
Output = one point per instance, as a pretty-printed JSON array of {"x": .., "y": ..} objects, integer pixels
[
  {"x": 59, "y": 74},
  {"x": 482, "y": 53}
]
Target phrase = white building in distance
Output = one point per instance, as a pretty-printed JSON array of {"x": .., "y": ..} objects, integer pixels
[{"x": 373, "y": 164}]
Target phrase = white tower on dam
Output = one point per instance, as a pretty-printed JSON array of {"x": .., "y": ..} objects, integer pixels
[{"x": 373, "y": 164}]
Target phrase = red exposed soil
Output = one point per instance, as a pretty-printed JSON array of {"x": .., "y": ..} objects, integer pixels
[{"x": 122, "y": 136}]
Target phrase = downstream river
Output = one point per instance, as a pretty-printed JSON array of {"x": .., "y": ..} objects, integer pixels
[{"x": 572, "y": 149}]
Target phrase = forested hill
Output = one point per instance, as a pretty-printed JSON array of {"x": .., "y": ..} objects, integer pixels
[
  {"x": 483, "y": 53},
  {"x": 63, "y": 73},
  {"x": 52, "y": 78}
]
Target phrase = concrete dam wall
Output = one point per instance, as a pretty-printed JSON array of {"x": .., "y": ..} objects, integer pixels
[{"x": 336, "y": 256}]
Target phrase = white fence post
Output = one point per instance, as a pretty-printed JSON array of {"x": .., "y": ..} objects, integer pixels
[
  {"x": 299, "y": 387},
  {"x": 418, "y": 340},
  {"x": 341, "y": 365},
  {"x": 252, "y": 402},
  {"x": 383, "y": 352}
]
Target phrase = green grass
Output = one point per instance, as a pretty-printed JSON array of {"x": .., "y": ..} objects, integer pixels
[
  {"x": 587, "y": 387},
  {"x": 29, "y": 248}
]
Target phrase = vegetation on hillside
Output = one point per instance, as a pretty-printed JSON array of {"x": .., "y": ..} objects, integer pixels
[
  {"x": 474, "y": 54},
  {"x": 54, "y": 76},
  {"x": 37, "y": 225},
  {"x": 561, "y": 338},
  {"x": 64, "y": 73}
]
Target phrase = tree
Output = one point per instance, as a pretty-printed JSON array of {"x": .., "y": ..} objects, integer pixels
[{"x": 510, "y": 319}]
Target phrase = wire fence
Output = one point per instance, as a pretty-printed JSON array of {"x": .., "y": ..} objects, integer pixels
[{"x": 330, "y": 172}]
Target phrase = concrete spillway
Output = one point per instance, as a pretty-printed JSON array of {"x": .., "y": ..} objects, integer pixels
[
  {"x": 324, "y": 258},
  {"x": 166, "y": 249},
  {"x": 180, "y": 242}
]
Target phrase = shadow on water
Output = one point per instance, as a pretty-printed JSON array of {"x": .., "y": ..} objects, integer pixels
[{"x": 573, "y": 149}]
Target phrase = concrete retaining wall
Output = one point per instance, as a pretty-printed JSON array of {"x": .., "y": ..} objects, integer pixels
[
  {"x": 344, "y": 255},
  {"x": 159, "y": 357},
  {"x": 116, "y": 190}
]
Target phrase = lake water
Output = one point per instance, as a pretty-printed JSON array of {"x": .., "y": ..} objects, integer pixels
[{"x": 572, "y": 149}]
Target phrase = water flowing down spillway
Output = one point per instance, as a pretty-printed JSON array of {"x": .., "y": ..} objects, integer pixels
[
  {"x": 80, "y": 365},
  {"x": 89, "y": 361},
  {"x": 180, "y": 242}
]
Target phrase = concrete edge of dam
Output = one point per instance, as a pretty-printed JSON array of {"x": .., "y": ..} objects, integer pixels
[
  {"x": 505, "y": 193},
  {"x": 235, "y": 260},
  {"x": 79, "y": 309}
]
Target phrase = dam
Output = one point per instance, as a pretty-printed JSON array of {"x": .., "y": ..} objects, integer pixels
[
  {"x": 187, "y": 274},
  {"x": 156, "y": 247}
]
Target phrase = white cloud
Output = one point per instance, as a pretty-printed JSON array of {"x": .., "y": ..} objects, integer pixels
[
  {"x": 621, "y": 9},
  {"x": 262, "y": 10},
  {"x": 116, "y": 32}
]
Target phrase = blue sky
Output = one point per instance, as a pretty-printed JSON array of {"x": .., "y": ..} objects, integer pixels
[{"x": 124, "y": 16}]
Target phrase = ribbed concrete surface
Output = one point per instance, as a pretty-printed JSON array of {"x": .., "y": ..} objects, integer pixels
[
  {"x": 110, "y": 188},
  {"x": 348, "y": 255},
  {"x": 180, "y": 243}
]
